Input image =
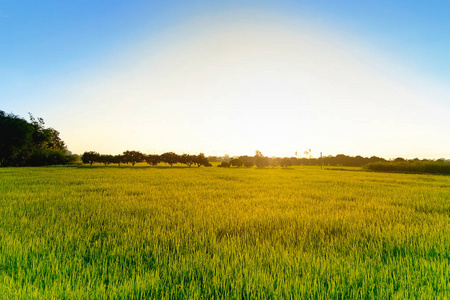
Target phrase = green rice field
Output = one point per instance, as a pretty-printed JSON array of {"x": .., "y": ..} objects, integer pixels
[{"x": 79, "y": 232}]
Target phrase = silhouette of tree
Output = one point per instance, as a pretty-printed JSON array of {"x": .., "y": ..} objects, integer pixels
[
  {"x": 260, "y": 160},
  {"x": 224, "y": 164},
  {"x": 90, "y": 157},
  {"x": 170, "y": 158},
  {"x": 236, "y": 162},
  {"x": 201, "y": 160},
  {"x": 286, "y": 162},
  {"x": 153, "y": 159},
  {"x": 249, "y": 164},
  {"x": 188, "y": 160},
  {"x": 133, "y": 157},
  {"x": 118, "y": 159}
]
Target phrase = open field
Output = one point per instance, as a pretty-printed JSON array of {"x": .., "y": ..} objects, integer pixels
[{"x": 157, "y": 232}]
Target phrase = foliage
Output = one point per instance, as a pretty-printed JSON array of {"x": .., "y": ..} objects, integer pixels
[
  {"x": 152, "y": 159},
  {"x": 413, "y": 166},
  {"x": 133, "y": 157},
  {"x": 25, "y": 143},
  {"x": 201, "y": 160},
  {"x": 249, "y": 164},
  {"x": 187, "y": 159},
  {"x": 260, "y": 160},
  {"x": 170, "y": 158},
  {"x": 213, "y": 233},
  {"x": 90, "y": 157},
  {"x": 286, "y": 162},
  {"x": 224, "y": 164},
  {"x": 236, "y": 162}
]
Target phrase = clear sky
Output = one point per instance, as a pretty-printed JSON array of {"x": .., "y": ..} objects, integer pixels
[{"x": 352, "y": 77}]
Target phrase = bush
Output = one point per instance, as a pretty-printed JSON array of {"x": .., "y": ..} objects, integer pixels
[
  {"x": 416, "y": 166},
  {"x": 44, "y": 157},
  {"x": 224, "y": 164}
]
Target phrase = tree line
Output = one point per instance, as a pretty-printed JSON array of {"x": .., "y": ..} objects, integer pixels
[
  {"x": 411, "y": 166},
  {"x": 134, "y": 157},
  {"x": 261, "y": 161},
  {"x": 30, "y": 143}
]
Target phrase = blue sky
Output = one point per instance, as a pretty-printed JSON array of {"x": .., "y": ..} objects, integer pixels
[{"x": 51, "y": 52}]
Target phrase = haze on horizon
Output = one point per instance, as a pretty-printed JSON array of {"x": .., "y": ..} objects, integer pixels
[{"x": 351, "y": 78}]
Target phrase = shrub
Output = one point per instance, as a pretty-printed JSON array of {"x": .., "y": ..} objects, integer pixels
[{"x": 416, "y": 166}]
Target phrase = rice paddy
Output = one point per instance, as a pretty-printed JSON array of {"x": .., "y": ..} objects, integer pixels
[{"x": 79, "y": 232}]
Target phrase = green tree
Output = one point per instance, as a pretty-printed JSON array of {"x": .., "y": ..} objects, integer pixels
[
  {"x": 16, "y": 136},
  {"x": 30, "y": 143}
]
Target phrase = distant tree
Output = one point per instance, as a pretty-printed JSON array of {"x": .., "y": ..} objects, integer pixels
[
  {"x": 273, "y": 162},
  {"x": 260, "y": 160},
  {"x": 133, "y": 157},
  {"x": 224, "y": 164},
  {"x": 236, "y": 162},
  {"x": 118, "y": 159},
  {"x": 106, "y": 159},
  {"x": 286, "y": 162},
  {"x": 152, "y": 159},
  {"x": 170, "y": 158},
  {"x": 188, "y": 159},
  {"x": 90, "y": 157},
  {"x": 249, "y": 164},
  {"x": 201, "y": 160},
  {"x": 246, "y": 160}
]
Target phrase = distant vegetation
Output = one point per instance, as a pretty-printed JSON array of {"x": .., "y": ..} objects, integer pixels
[
  {"x": 262, "y": 161},
  {"x": 134, "y": 157},
  {"x": 29, "y": 143},
  {"x": 411, "y": 166}
]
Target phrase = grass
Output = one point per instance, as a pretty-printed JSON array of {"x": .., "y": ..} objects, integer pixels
[{"x": 145, "y": 232}]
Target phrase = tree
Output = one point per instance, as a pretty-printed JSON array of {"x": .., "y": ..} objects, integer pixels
[
  {"x": 152, "y": 159},
  {"x": 170, "y": 158},
  {"x": 201, "y": 160},
  {"x": 133, "y": 157},
  {"x": 106, "y": 159},
  {"x": 260, "y": 160},
  {"x": 16, "y": 135},
  {"x": 45, "y": 138},
  {"x": 90, "y": 157},
  {"x": 249, "y": 164},
  {"x": 187, "y": 159},
  {"x": 118, "y": 159},
  {"x": 286, "y": 162},
  {"x": 25, "y": 143},
  {"x": 236, "y": 162}
]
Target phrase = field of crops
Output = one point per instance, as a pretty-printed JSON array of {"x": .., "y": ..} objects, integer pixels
[{"x": 159, "y": 232}]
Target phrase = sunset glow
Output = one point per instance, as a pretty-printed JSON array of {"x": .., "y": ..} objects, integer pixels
[{"x": 236, "y": 81}]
